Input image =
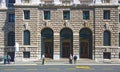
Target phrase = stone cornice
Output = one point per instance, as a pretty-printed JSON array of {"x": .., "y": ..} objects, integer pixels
[
  {"x": 69, "y": 6},
  {"x": 3, "y": 9},
  {"x": 105, "y": 5}
]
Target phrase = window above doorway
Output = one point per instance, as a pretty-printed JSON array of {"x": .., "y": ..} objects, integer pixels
[
  {"x": 86, "y": 15},
  {"x": 47, "y": 15},
  {"x": 11, "y": 17},
  {"x": 27, "y": 14},
  {"x": 66, "y": 15},
  {"x": 106, "y": 14}
]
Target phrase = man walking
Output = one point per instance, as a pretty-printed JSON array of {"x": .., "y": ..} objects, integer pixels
[
  {"x": 8, "y": 58},
  {"x": 5, "y": 59},
  {"x": 75, "y": 59},
  {"x": 43, "y": 59}
]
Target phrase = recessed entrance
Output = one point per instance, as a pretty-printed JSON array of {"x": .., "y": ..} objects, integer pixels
[
  {"x": 47, "y": 42},
  {"x": 66, "y": 43},
  {"x": 85, "y": 43}
]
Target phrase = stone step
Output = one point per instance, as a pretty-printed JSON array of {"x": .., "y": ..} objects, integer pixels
[{"x": 66, "y": 60}]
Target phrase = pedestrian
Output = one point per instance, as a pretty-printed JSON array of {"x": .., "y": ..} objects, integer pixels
[
  {"x": 43, "y": 59},
  {"x": 70, "y": 59},
  {"x": 8, "y": 58},
  {"x": 5, "y": 59},
  {"x": 75, "y": 59}
]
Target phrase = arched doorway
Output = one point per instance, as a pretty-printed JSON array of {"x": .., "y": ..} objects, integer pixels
[
  {"x": 47, "y": 42},
  {"x": 66, "y": 42},
  {"x": 85, "y": 41}
]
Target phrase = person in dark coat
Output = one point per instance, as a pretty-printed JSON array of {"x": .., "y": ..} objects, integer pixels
[
  {"x": 5, "y": 59},
  {"x": 75, "y": 59}
]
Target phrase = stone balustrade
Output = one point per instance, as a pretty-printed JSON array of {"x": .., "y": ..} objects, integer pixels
[{"x": 4, "y": 3}]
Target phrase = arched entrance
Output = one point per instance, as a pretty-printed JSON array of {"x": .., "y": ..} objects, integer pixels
[
  {"x": 66, "y": 42},
  {"x": 85, "y": 41},
  {"x": 47, "y": 42}
]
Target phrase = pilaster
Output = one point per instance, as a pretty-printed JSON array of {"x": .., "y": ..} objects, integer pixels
[
  {"x": 76, "y": 44},
  {"x": 56, "y": 46}
]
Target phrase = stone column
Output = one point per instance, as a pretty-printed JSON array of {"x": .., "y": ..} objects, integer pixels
[
  {"x": 57, "y": 2},
  {"x": 18, "y": 2},
  {"x": 97, "y": 1},
  {"x": 76, "y": 1},
  {"x": 76, "y": 44},
  {"x": 3, "y": 4},
  {"x": 35, "y": 1},
  {"x": 114, "y": 1},
  {"x": 56, "y": 55}
]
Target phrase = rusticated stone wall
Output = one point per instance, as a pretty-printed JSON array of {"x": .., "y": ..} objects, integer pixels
[{"x": 36, "y": 24}]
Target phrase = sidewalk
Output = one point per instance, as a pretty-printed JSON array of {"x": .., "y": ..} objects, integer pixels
[
  {"x": 19, "y": 64},
  {"x": 81, "y": 63},
  {"x": 55, "y": 62}
]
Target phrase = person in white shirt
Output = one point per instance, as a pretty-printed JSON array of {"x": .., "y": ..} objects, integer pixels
[{"x": 43, "y": 59}]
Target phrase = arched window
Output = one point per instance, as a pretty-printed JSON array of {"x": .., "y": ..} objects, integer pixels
[
  {"x": 26, "y": 37},
  {"x": 107, "y": 38},
  {"x": 11, "y": 38}
]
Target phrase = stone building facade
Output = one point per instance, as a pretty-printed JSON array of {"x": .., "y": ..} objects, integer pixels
[{"x": 58, "y": 28}]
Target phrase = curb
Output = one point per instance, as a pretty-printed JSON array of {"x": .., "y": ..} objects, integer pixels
[
  {"x": 18, "y": 64},
  {"x": 50, "y": 63},
  {"x": 97, "y": 64}
]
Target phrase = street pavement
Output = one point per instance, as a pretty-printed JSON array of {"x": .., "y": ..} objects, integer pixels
[
  {"x": 55, "y": 62},
  {"x": 60, "y": 66}
]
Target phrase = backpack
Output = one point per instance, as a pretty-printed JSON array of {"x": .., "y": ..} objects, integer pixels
[
  {"x": 9, "y": 57},
  {"x": 75, "y": 57}
]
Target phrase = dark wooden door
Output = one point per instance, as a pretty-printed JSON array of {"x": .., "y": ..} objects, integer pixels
[
  {"x": 48, "y": 49},
  {"x": 84, "y": 48},
  {"x": 65, "y": 49}
]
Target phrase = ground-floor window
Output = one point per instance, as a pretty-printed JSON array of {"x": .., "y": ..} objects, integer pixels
[
  {"x": 106, "y": 55},
  {"x": 26, "y": 54}
]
